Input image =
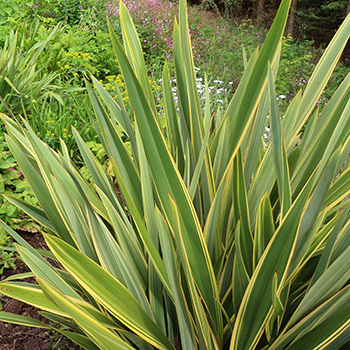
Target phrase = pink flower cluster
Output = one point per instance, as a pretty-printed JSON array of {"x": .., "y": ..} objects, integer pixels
[{"x": 154, "y": 20}]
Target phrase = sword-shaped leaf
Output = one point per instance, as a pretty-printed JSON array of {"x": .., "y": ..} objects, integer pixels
[
  {"x": 279, "y": 150},
  {"x": 167, "y": 180},
  {"x": 109, "y": 292}
]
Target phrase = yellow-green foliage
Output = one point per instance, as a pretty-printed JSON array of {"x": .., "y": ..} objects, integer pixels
[{"x": 205, "y": 237}]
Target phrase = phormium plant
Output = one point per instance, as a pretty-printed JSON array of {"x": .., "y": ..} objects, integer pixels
[
  {"x": 21, "y": 77},
  {"x": 210, "y": 239}
]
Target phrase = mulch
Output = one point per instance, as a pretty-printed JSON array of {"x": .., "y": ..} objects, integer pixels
[{"x": 15, "y": 337}]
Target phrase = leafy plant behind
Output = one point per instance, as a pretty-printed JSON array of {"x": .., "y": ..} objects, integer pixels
[
  {"x": 12, "y": 183},
  {"x": 22, "y": 79},
  {"x": 210, "y": 239}
]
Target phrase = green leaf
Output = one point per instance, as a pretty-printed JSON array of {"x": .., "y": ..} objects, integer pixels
[
  {"x": 172, "y": 120},
  {"x": 109, "y": 292},
  {"x": 22, "y": 320},
  {"x": 244, "y": 103},
  {"x": 29, "y": 293},
  {"x": 103, "y": 337},
  {"x": 327, "y": 253},
  {"x": 134, "y": 52},
  {"x": 167, "y": 181},
  {"x": 187, "y": 333},
  {"x": 241, "y": 212},
  {"x": 279, "y": 150},
  {"x": 257, "y": 301},
  {"x": 264, "y": 228},
  {"x": 240, "y": 277},
  {"x": 321, "y": 327},
  {"x": 322, "y": 73},
  {"x": 330, "y": 282}
]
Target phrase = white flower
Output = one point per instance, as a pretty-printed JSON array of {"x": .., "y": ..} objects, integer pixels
[{"x": 282, "y": 97}]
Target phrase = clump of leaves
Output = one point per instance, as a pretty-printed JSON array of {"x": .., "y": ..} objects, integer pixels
[
  {"x": 212, "y": 239},
  {"x": 8, "y": 255}
]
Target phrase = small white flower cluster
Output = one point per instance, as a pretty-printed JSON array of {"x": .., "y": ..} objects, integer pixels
[
  {"x": 267, "y": 133},
  {"x": 219, "y": 95}
]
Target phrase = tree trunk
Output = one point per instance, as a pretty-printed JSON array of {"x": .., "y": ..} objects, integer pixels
[
  {"x": 348, "y": 9},
  {"x": 293, "y": 10},
  {"x": 259, "y": 14}
]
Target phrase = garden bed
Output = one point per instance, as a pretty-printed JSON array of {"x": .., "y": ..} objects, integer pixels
[{"x": 15, "y": 337}]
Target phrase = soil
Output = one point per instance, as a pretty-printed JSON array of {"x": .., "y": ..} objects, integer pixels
[{"x": 15, "y": 337}]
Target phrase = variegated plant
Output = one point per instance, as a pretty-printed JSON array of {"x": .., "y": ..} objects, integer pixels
[
  {"x": 22, "y": 79},
  {"x": 210, "y": 239}
]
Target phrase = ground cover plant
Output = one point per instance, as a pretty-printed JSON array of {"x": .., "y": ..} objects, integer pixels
[
  {"x": 12, "y": 183},
  {"x": 206, "y": 237},
  {"x": 83, "y": 47}
]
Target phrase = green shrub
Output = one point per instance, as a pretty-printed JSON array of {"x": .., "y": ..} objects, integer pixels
[
  {"x": 297, "y": 65},
  {"x": 70, "y": 12},
  {"x": 7, "y": 255},
  {"x": 209, "y": 239},
  {"x": 95, "y": 45},
  {"x": 87, "y": 35},
  {"x": 13, "y": 184},
  {"x": 10, "y": 14},
  {"x": 207, "y": 32},
  {"x": 52, "y": 120}
]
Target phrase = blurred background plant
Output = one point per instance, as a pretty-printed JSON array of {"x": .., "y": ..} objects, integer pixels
[{"x": 221, "y": 39}]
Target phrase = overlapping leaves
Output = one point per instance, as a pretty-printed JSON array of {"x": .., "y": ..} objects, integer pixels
[{"x": 210, "y": 239}]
